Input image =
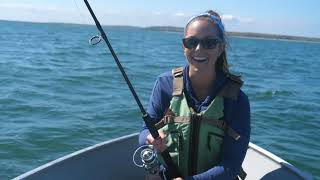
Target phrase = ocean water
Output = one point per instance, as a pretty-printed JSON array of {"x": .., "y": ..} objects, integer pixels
[{"x": 58, "y": 94}]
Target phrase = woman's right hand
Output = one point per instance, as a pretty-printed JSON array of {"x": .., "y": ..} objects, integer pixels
[{"x": 158, "y": 143}]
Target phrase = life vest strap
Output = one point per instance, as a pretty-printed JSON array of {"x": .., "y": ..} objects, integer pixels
[
  {"x": 224, "y": 126},
  {"x": 242, "y": 174},
  {"x": 169, "y": 118},
  {"x": 231, "y": 132},
  {"x": 177, "y": 74},
  {"x": 232, "y": 88}
]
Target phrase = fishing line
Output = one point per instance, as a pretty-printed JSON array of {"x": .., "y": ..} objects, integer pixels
[
  {"x": 82, "y": 17},
  {"x": 172, "y": 169},
  {"x": 95, "y": 39}
]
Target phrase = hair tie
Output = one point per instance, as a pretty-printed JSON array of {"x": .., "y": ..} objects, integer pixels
[{"x": 216, "y": 20}]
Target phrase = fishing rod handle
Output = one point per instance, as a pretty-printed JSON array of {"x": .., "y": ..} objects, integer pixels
[
  {"x": 150, "y": 125},
  {"x": 172, "y": 170}
]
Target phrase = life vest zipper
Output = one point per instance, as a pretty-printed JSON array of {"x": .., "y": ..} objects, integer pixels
[
  {"x": 194, "y": 141},
  {"x": 179, "y": 144}
]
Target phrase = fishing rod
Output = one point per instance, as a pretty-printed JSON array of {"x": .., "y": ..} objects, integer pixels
[{"x": 172, "y": 170}]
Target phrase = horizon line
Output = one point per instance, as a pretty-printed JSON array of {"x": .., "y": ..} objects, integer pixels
[{"x": 162, "y": 26}]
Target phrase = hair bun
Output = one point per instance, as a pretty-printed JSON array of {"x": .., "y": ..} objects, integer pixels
[{"x": 213, "y": 13}]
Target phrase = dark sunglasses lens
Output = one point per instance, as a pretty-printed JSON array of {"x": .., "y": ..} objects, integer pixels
[
  {"x": 209, "y": 43},
  {"x": 190, "y": 43}
]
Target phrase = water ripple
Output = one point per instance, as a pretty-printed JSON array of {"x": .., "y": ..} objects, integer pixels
[{"x": 59, "y": 94}]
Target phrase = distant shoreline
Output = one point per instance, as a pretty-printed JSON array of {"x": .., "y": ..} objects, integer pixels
[
  {"x": 242, "y": 34},
  {"x": 181, "y": 30}
]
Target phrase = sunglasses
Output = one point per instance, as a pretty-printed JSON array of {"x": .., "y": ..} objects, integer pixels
[{"x": 207, "y": 43}]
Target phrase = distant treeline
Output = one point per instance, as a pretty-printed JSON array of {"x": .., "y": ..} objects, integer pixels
[
  {"x": 180, "y": 29},
  {"x": 241, "y": 34}
]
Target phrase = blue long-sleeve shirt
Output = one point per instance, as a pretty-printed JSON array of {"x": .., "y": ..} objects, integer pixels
[{"x": 237, "y": 115}]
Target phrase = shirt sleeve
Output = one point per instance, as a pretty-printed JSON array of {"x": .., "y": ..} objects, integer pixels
[
  {"x": 233, "y": 152},
  {"x": 158, "y": 103}
]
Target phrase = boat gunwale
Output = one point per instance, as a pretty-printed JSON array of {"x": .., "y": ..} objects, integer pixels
[
  {"x": 72, "y": 155},
  {"x": 252, "y": 146},
  {"x": 280, "y": 161}
]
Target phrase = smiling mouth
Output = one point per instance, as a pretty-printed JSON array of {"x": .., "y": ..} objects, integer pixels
[{"x": 199, "y": 59}]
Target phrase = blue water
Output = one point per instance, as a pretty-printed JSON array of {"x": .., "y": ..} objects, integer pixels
[{"x": 58, "y": 94}]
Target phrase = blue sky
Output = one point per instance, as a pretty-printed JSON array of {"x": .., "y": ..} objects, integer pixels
[{"x": 291, "y": 17}]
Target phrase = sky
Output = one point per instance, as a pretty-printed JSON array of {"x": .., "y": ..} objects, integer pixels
[{"x": 285, "y": 17}]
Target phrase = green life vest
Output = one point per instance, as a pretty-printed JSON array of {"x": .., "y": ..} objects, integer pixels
[{"x": 194, "y": 140}]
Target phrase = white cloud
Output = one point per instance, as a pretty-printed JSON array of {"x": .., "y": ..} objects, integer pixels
[
  {"x": 157, "y": 13},
  {"x": 28, "y": 7},
  {"x": 247, "y": 20},
  {"x": 77, "y": 13},
  {"x": 16, "y": 5},
  {"x": 40, "y": 13},
  {"x": 228, "y": 18},
  {"x": 179, "y": 14}
]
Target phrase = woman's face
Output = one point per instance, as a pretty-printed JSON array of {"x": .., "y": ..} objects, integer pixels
[{"x": 202, "y": 58}]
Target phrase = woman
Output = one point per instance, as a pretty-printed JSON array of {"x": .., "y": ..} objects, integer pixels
[{"x": 202, "y": 115}]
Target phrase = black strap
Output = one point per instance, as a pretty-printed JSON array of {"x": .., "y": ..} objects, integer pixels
[{"x": 242, "y": 174}]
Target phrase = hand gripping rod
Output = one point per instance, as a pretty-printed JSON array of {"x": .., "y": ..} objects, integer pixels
[{"x": 171, "y": 168}]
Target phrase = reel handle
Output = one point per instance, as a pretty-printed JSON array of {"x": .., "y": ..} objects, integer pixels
[{"x": 171, "y": 168}]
